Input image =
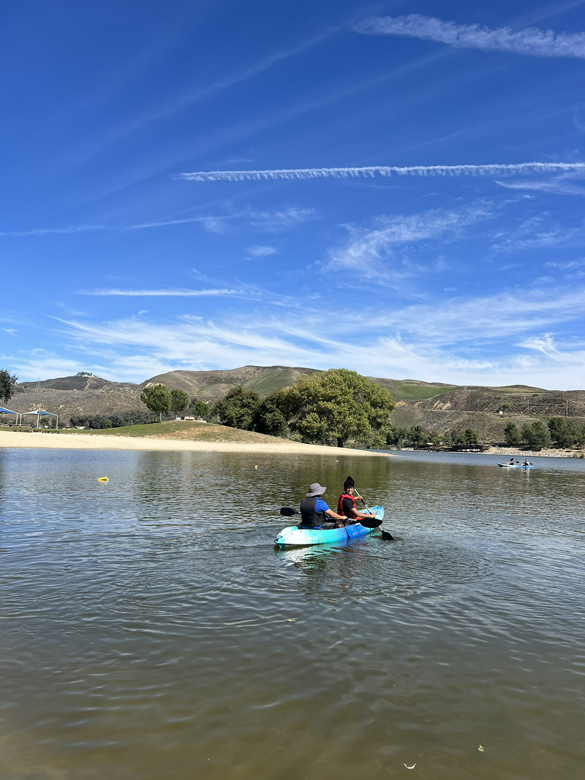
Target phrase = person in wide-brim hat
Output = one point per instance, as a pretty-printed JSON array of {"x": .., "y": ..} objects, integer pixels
[{"x": 314, "y": 510}]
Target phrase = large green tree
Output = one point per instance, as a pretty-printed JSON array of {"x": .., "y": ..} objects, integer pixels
[
  {"x": 7, "y": 383},
  {"x": 179, "y": 401},
  {"x": 563, "y": 432},
  {"x": 157, "y": 398},
  {"x": 536, "y": 435},
  {"x": 238, "y": 408},
  {"x": 337, "y": 404},
  {"x": 200, "y": 408},
  {"x": 270, "y": 419},
  {"x": 512, "y": 435}
]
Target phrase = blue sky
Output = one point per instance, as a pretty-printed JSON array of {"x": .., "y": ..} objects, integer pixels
[{"x": 327, "y": 183}]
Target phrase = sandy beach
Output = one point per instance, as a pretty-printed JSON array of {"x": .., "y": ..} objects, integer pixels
[{"x": 81, "y": 441}]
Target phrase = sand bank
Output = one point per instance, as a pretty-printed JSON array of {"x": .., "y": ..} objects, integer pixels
[
  {"x": 545, "y": 452},
  {"x": 89, "y": 442}
]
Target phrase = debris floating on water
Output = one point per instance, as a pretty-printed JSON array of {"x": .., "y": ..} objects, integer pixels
[
  {"x": 291, "y": 620},
  {"x": 255, "y": 468},
  {"x": 103, "y": 479},
  {"x": 481, "y": 749},
  {"x": 409, "y": 767}
]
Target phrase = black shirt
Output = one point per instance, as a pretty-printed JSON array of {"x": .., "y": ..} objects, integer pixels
[{"x": 348, "y": 507}]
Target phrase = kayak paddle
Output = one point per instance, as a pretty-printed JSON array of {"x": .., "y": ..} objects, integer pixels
[{"x": 386, "y": 535}]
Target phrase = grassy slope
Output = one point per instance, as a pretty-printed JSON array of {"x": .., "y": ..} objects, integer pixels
[
  {"x": 184, "y": 430},
  {"x": 274, "y": 380},
  {"x": 404, "y": 391}
]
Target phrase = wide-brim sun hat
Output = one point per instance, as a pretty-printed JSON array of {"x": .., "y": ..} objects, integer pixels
[{"x": 315, "y": 490}]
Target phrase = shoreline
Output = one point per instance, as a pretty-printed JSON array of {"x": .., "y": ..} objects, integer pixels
[
  {"x": 52, "y": 441},
  {"x": 545, "y": 452}
]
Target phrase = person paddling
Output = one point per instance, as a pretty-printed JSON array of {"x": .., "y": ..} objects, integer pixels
[
  {"x": 314, "y": 510},
  {"x": 346, "y": 504}
]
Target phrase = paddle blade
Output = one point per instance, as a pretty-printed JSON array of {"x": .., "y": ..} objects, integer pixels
[
  {"x": 387, "y": 536},
  {"x": 287, "y": 511},
  {"x": 370, "y": 522}
]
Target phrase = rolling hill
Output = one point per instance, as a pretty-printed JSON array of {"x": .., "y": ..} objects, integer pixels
[{"x": 433, "y": 405}]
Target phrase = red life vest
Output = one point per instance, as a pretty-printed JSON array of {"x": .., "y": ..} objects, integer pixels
[{"x": 340, "y": 510}]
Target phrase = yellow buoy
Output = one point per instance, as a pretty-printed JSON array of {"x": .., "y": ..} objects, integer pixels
[{"x": 103, "y": 479}]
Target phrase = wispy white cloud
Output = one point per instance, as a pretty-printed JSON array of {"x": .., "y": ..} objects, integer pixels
[
  {"x": 558, "y": 185},
  {"x": 369, "y": 251},
  {"x": 10, "y": 331},
  {"x": 57, "y": 230},
  {"x": 45, "y": 364},
  {"x": 92, "y": 228},
  {"x": 275, "y": 221},
  {"x": 207, "y": 222},
  {"x": 530, "y": 40},
  {"x": 164, "y": 293},
  {"x": 261, "y": 251},
  {"x": 504, "y": 316},
  {"x": 384, "y": 170},
  {"x": 540, "y": 232},
  {"x": 279, "y": 220},
  {"x": 499, "y": 339},
  {"x": 562, "y": 354},
  {"x": 568, "y": 265}
]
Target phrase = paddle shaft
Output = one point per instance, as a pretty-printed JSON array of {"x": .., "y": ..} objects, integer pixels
[
  {"x": 388, "y": 535},
  {"x": 363, "y": 502}
]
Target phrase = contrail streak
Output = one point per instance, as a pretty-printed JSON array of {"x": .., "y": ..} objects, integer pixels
[
  {"x": 530, "y": 40},
  {"x": 383, "y": 170}
]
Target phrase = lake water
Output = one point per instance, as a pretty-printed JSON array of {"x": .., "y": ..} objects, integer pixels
[{"x": 149, "y": 629}]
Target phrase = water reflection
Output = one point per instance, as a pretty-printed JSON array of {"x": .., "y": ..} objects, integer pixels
[{"x": 151, "y": 629}]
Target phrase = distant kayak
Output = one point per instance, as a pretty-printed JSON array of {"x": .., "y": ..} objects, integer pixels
[
  {"x": 515, "y": 466},
  {"x": 293, "y": 536}
]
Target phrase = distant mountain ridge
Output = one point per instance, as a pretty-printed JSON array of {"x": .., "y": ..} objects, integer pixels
[{"x": 435, "y": 406}]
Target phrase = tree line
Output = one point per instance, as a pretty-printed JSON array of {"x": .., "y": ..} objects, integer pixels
[
  {"x": 158, "y": 398},
  {"x": 117, "y": 420},
  {"x": 417, "y": 436},
  {"x": 558, "y": 431}
]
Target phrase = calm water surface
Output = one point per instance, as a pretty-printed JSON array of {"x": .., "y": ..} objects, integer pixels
[{"x": 149, "y": 628}]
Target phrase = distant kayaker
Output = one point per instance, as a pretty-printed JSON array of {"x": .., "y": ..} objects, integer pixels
[
  {"x": 314, "y": 511},
  {"x": 511, "y": 461},
  {"x": 346, "y": 504}
]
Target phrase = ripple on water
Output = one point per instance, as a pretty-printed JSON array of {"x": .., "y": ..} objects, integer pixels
[{"x": 151, "y": 629}]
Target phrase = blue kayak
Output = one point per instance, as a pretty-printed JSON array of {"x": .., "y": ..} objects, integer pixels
[{"x": 293, "y": 536}]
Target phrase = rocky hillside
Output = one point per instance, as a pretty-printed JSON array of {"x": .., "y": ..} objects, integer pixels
[{"x": 487, "y": 410}]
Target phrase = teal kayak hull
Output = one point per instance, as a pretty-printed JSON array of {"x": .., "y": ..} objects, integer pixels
[{"x": 293, "y": 536}]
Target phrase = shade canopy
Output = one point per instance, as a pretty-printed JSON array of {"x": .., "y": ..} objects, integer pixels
[
  {"x": 41, "y": 412},
  {"x": 6, "y": 411}
]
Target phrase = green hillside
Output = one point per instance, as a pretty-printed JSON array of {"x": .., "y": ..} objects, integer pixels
[
  {"x": 275, "y": 379},
  {"x": 419, "y": 391}
]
